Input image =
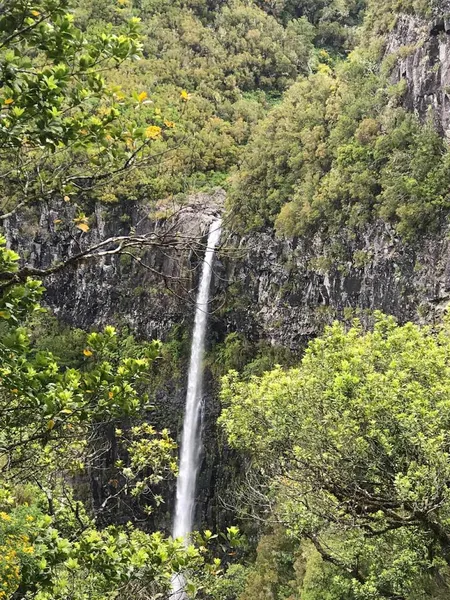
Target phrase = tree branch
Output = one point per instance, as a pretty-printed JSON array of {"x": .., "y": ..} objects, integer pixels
[
  {"x": 16, "y": 34},
  {"x": 13, "y": 211},
  {"x": 351, "y": 571},
  {"x": 102, "y": 249}
]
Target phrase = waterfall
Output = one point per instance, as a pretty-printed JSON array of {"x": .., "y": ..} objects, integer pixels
[{"x": 191, "y": 440}]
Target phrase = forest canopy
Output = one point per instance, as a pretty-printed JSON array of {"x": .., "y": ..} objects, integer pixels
[
  {"x": 233, "y": 58},
  {"x": 350, "y": 452}
]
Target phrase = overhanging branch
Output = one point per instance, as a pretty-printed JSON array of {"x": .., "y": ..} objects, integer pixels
[{"x": 109, "y": 247}]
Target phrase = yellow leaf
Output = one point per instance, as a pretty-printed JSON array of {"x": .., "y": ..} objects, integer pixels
[
  {"x": 50, "y": 424},
  {"x": 35, "y": 13},
  {"x": 83, "y": 226},
  {"x": 169, "y": 124},
  {"x": 8, "y": 101},
  {"x": 110, "y": 395},
  {"x": 142, "y": 96},
  {"x": 87, "y": 352},
  {"x": 153, "y": 132},
  {"x": 56, "y": 221}
]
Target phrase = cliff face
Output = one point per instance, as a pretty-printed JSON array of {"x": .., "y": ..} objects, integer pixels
[
  {"x": 140, "y": 292},
  {"x": 267, "y": 288},
  {"x": 425, "y": 66},
  {"x": 282, "y": 292},
  {"x": 293, "y": 288}
]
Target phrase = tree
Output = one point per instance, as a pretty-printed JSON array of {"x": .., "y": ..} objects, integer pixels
[
  {"x": 62, "y": 128},
  {"x": 64, "y": 131},
  {"x": 344, "y": 152},
  {"x": 50, "y": 546},
  {"x": 354, "y": 449},
  {"x": 42, "y": 402}
]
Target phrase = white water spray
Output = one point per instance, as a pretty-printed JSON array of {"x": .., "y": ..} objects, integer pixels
[{"x": 191, "y": 440}]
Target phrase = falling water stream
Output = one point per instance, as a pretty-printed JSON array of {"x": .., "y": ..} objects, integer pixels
[{"x": 191, "y": 440}]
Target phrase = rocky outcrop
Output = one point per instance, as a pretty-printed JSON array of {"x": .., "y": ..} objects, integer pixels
[
  {"x": 285, "y": 291},
  {"x": 282, "y": 291},
  {"x": 423, "y": 49},
  {"x": 147, "y": 290}
]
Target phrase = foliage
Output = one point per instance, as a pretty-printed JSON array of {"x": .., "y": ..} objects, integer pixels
[
  {"x": 350, "y": 449},
  {"x": 151, "y": 459},
  {"x": 232, "y": 58},
  {"x": 53, "y": 417},
  {"x": 174, "y": 357},
  {"x": 209, "y": 73},
  {"x": 273, "y": 574},
  {"x": 381, "y": 18},
  {"x": 269, "y": 171},
  {"x": 344, "y": 152},
  {"x": 333, "y": 19},
  {"x": 62, "y": 126},
  {"x": 63, "y": 129},
  {"x": 37, "y": 562},
  {"x": 42, "y": 403},
  {"x": 238, "y": 353},
  {"x": 66, "y": 344},
  {"x": 353, "y": 447},
  {"x": 229, "y": 586}
]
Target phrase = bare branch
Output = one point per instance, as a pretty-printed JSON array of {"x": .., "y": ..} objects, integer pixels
[{"x": 13, "y": 211}]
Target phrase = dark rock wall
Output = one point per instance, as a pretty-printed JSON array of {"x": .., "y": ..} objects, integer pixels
[
  {"x": 115, "y": 288},
  {"x": 424, "y": 45},
  {"x": 285, "y": 291}
]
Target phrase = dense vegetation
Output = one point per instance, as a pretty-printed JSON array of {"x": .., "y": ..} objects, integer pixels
[
  {"x": 53, "y": 420},
  {"x": 212, "y": 77},
  {"x": 344, "y": 151},
  {"x": 63, "y": 126},
  {"x": 234, "y": 59},
  {"x": 350, "y": 452}
]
